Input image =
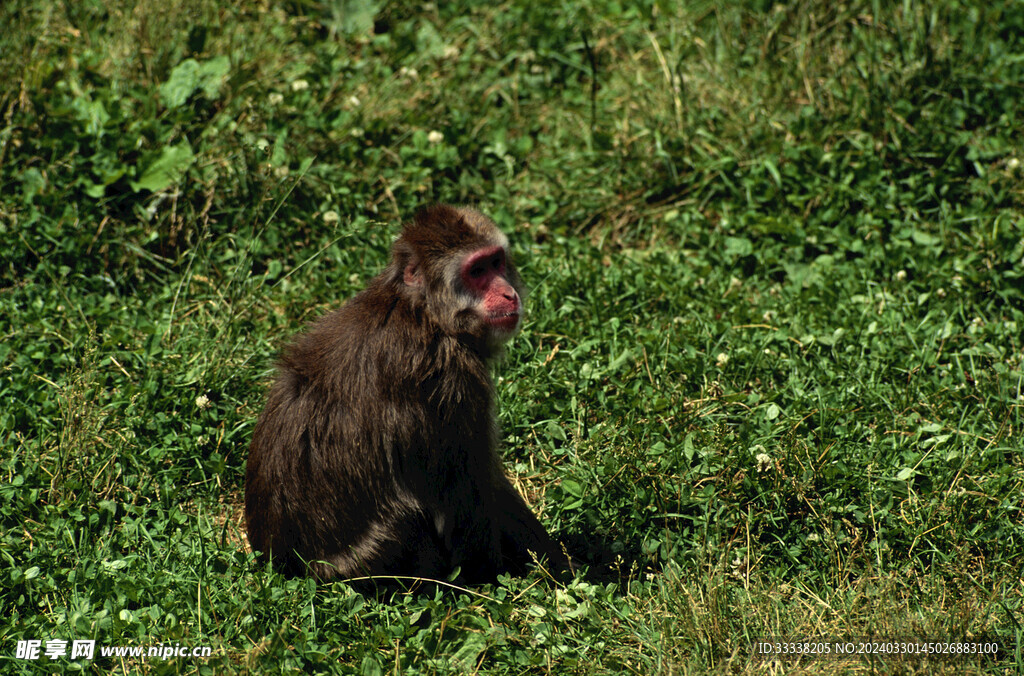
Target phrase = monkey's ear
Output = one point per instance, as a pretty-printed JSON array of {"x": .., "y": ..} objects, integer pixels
[{"x": 413, "y": 275}]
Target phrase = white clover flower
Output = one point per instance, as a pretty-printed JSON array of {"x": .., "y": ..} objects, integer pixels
[
  {"x": 738, "y": 565},
  {"x": 722, "y": 359},
  {"x": 764, "y": 462},
  {"x": 202, "y": 401},
  {"x": 901, "y": 275},
  {"x": 435, "y": 137},
  {"x": 275, "y": 98},
  {"x": 331, "y": 217},
  {"x": 300, "y": 85}
]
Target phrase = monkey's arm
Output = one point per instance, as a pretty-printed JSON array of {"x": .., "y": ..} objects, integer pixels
[{"x": 522, "y": 533}]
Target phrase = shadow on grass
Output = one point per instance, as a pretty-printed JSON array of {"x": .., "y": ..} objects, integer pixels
[{"x": 605, "y": 559}]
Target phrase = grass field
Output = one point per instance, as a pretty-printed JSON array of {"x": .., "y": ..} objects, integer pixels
[{"x": 771, "y": 380}]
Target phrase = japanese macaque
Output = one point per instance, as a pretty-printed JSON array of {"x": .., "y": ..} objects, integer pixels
[{"x": 376, "y": 452}]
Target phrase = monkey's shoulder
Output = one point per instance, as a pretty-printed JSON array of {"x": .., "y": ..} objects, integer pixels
[{"x": 376, "y": 335}]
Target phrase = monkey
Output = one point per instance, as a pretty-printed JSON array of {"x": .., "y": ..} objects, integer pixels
[{"x": 376, "y": 452}]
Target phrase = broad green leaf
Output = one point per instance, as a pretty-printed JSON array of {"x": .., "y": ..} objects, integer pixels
[
  {"x": 191, "y": 75},
  {"x": 572, "y": 488},
  {"x": 167, "y": 170}
]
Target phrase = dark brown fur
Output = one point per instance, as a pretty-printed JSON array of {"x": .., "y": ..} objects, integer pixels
[{"x": 376, "y": 452}]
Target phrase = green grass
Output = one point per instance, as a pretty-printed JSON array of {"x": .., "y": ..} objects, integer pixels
[{"x": 772, "y": 378}]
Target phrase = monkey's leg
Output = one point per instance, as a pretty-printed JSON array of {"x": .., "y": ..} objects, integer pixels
[{"x": 407, "y": 545}]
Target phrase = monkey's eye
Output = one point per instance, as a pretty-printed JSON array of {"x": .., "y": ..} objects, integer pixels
[{"x": 476, "y": 272}]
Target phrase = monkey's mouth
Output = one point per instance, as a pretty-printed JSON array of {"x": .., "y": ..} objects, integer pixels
[{"x": 503, "y": 320}]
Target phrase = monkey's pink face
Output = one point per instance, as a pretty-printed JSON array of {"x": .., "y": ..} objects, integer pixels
[{"x": 484, "y": 272}]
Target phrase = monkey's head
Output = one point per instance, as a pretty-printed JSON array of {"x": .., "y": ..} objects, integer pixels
[{"x": 455, "y": 263}]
